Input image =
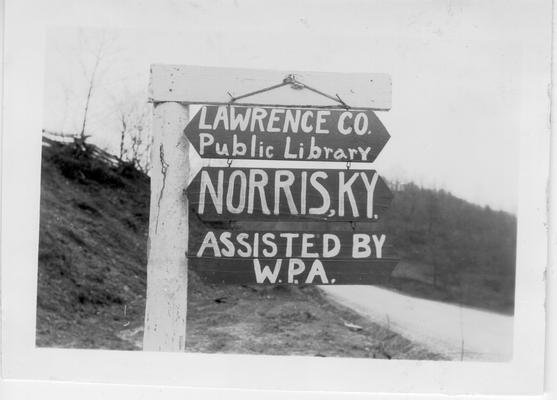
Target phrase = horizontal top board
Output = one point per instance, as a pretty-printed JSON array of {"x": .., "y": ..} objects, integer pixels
[{"x": 212, "y": 85}]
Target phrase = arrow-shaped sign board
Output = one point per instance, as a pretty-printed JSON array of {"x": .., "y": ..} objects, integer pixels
[
  {"x": 296, "y": 134},
  {"x": 228, "y": 193}
]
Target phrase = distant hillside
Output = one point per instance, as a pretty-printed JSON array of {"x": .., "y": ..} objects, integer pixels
[{"x": 451, "y": 249}]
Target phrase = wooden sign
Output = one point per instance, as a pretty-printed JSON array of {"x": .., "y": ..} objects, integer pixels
[
  {"x": 323, "y": 258},
  {"x": 221, "y": 193},
  {"x": 295, "y": 134}
]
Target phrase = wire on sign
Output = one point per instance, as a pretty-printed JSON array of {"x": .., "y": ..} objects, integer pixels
[{"x": 295, "y": 84}]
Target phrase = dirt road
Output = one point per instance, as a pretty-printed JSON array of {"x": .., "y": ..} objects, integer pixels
[{"x": 454, "y": 331}]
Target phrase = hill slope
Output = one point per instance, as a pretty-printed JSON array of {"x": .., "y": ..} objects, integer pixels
[
  {"x": 452, "y": 250},
  {"x": 91, "y": 282}
]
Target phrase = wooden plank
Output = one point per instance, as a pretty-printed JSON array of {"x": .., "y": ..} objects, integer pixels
[
  {"x": 286, "y": 134},
  {"x": 221, "y": 193},
  {"x": 241, "y": 244},
  {"x": 293, "y": 271},
  {"x": 212, "y": 85}
]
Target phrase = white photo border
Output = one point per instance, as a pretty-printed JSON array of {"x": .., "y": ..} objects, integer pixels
[{"x": 25, "y": 28}]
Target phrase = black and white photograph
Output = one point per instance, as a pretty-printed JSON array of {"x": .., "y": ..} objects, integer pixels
[
  {"x": 226, "y": 186},
  {"x": 425, "y": 263}
]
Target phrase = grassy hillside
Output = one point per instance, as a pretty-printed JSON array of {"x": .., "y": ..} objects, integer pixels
[
  {"x": 93, "y": 232},
  {"x": 92, "y": 277}
]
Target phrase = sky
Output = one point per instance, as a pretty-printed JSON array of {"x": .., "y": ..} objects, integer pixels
[{"x": 456, "y": 67}]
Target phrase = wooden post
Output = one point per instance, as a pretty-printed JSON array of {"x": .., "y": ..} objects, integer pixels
[{"x": 167, "y": 268}]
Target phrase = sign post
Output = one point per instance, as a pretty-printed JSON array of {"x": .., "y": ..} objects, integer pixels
[
  {"x": 334, "y": 122},
  {"x": 167, "y": 266}
]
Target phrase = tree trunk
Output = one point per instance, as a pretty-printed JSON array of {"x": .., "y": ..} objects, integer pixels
[{"x": 122, "y": 136}]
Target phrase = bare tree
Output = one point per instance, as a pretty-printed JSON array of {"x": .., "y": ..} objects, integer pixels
[
  {"x": 100, "y": 49},
  {"x": 124, "y": 122},
  {"x": 135, "y": 133}
]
